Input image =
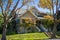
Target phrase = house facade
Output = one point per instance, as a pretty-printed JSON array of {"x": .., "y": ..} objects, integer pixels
[{"x": 29, "y": 16}]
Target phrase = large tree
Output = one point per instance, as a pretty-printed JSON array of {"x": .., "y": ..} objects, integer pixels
[
  {"x": 55, "y": 20},
  {"x": 50, "y": 5},
  {"x": 46, "y": 4},
  {"x": 8, "y": 9}
]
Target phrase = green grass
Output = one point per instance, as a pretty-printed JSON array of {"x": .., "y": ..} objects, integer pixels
[
  {"x": 0, "y": 35},
  {"x": 58, "y": 36},
  {"x": 28, "y": 36}
]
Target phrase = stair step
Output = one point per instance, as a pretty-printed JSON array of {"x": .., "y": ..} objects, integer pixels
[{"x": 48, "y": 33}]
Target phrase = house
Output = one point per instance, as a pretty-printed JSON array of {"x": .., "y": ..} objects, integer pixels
[{"x": 29, "y": 16}]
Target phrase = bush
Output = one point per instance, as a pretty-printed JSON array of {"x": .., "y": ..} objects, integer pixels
[
  {"x": 58, "y": 33},
  {"x": 1, "y": 22},
  {"x": 47, "y": 23},
  {"x": 11, "y": 29},
  {"x": 30, "y": 27}
]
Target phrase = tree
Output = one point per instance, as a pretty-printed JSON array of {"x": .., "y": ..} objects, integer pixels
[
  {"x": 46, "y": 4},
  {"x": 58, "y": 15},
  {"x": 55, "y": 19},
  {"x": 8, "y": 9},
  {"x": 1, "y": 22},
  {"x": 48, "y": 24}
]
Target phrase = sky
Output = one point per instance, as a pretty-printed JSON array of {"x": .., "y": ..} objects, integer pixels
[{"x": 35, "y": 4}]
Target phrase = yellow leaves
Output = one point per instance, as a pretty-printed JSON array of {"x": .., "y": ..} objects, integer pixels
[
  {"x": 10, "y": 1},
  {"x": 45, "y": 4},
  {"x": 48, "y": 17},
  {"x": 26, "y": 1}
]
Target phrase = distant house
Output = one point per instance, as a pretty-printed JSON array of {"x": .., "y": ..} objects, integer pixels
[
  {"x": 32, "y": 15},
  {"x": 29, "y": 16}
]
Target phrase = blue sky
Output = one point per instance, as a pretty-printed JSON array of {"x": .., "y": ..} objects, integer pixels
[
  {"x": 33, "y": 4},
  {"x": 45, "y": 10}
]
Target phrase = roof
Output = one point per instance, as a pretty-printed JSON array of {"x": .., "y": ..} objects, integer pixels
[
  {"x": 21, "y": 12},
  {"x": 33, "y": 15},
  {"x": 30, "y": 12}
]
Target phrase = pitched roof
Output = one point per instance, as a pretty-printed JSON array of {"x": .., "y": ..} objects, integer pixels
[
  {"x": 21, "y": 12},
  {"x": 30, "y": 12},
  {"x": 33, "y": 15}
]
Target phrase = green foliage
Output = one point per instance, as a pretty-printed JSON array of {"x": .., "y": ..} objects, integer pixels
[
  {"x": 1, "y": 22},
  {"x": 58, "y": 33},
  {"x": 30, "y": 27},
  {"x": 11, "y": 29},
  {"x": 27, "y": 24},
  {"x": 47, "y": 23}
]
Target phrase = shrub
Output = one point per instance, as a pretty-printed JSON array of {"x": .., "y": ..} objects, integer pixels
[
  {"x": 30, "y": 27},
  {"x": 11, "y": 29},
  {"x": 47, "y": 23},
  {"x": 1, "y": 23}
]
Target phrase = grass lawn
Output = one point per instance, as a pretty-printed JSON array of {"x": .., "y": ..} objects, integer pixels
[
  {"x": 0, "y": 35},
  {"x": 28, "y": 36},
  {"x": 58, "y": 36}
]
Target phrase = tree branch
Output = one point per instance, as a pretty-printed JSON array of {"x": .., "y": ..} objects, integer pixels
[
  {"x": 2, "y": 8},
  {"x": 15, "y": 7},
  {"x": 49, "y": 3},
  {"x": 8, "y": 5},
  {"x": 24, "y": 2},
  {"x": 12, "y": 12},
  {"x": 19, "y": 8},
  {"x": 7, "y": 8}
]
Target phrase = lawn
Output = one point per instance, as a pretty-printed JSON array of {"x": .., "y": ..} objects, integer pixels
[
  {"x": 28, "y": 36},
  {"x": 0, "y": 35},
  {"x": 58, "y": 37}
]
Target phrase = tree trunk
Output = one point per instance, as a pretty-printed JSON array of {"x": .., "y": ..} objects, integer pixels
[
  {"x": 4, "y": 33},
  {"x": 4, "y": 30},
  {"x": 55, "y": 22},
  {"x": 54, "y": 30},
  {"x": 54, "y": 27}
]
